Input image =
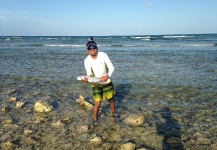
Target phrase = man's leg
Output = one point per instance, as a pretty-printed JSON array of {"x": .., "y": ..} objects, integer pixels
[
  {"x": 112, "y": 105},
  {"x": 96, "y": 110}
]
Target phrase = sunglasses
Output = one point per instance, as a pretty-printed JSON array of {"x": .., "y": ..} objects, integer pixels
[{"x": 92, "y": 47}]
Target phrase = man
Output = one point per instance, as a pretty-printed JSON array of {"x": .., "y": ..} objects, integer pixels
[{"x": 98, "y": 64}]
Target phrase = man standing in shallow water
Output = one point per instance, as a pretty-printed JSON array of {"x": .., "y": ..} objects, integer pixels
[{"x": 99, "y": 65}]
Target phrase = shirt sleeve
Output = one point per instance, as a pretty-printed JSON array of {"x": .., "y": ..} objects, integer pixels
[
  {"x": 87, "y": 67},
  {"x": 110, "y": 66}
]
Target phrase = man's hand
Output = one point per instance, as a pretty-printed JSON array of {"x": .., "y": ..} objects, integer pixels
[
  {"x": 85, "y": 80},
  {"x": 104, "y": 78}
]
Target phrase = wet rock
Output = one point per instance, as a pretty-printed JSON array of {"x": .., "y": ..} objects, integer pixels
[
  {"x": 106, "y": 146},
  {"x": 115, "y": 137},
  {"x": 58, "y": 124},
  {"x": 38, "y": 119},
  {"x": 83, "y": 102},
  {"x": 66, "y": 120},
  {"x": 5, "y": 137},
  {"x": 96, "y": 139},
  {"x": 128, "y": 146},
  {"x": 213, "y": 146},
  {"x": 26, "y": 132},
  {"x": 42, "y": 106},
  {"x": 4, "y": 109},
  {"x": 174, "y": 140},
  {"x": 203, "y": 141},
  {"x": 7, "y": 145},
  {"x": 83, "y": 129},
  {"x": 134, "y": 120},
  {"x": 20, "y": 104},
  {"x": 8, "y": 121},
  {"x": 13, "y": 99},
  {"x": 11, "y": 91}
]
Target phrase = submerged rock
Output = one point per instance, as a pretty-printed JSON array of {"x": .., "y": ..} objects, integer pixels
[
  {"x": 13, "y": 99},
  {"x": 83, "y": 102},
  {"x": 135, "y": 120},
  {"x": 8, "y": 121},
  {"x": 7, "y": 145},
  {"x": 96, "y": 139},
  {"x": 128, "y": 146},
  {"x": 42, "y": 106},
  {"x": 4, "y": 109},
  {"x": 58, "y": 124},
  {"x": 20, "y": 104}
]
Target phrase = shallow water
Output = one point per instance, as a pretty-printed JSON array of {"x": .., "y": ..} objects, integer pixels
[{"x": 173, "y": 87}]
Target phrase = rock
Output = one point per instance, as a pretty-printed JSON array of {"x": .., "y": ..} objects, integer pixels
[
  {"x": 4, "y": 109},
  {"x": 83, "y": 102},
  {"x": 213, "y": 146},
  {"x": 26, "y": 132},
  {"x": 20, "y": 104},
  {"x": 65, "y": 120},
  {"x": 8, "y": 121},
  {"x": 135, "y": 120},
  {"x": 96, "y": 139},
  {"x": 83, "y": 129},
  {"x": 174, "y": 140},
  {"x": 128, "y": 146},
  {"x": 38, "y": 119},
  {"x": 13, "y": 99},
  {"x": 42, "y": 106},
  {"x": 58, "y": 124},
  {"x": 203, "y": 141},
  {"x": 114, "y": 137},
  {"x": 7, "y": 145},
  {"x": 11, "y": 91}
]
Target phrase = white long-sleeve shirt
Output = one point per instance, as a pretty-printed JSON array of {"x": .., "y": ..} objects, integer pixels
[{"x": 100, "y": 66}]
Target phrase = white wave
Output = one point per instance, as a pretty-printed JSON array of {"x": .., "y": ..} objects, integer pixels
[
  {"x": 141, "y": 37},
  {"x": 177, "y": 36},
  {"x": 63, "y": 45},
  {"x": 198, "y": 45},
  {"x": 51, "y": 38},
  {"x": 16, "y": 37},
  {"x": 8, "y": 39}
]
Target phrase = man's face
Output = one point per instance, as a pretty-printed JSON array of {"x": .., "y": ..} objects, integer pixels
[{"x": 92, "y": 51}]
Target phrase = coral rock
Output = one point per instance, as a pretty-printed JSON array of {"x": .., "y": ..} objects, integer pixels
[
  {"x": 128, "y": 146},
  {"x": 13, "y": 99},
  {"x": 96, "y": 139},
  {"x": 42, "y": 106},
  {"x": 83, "y": 102},
  {"x": 20, "y": 104},
  {"x": 135, "y": 120}
]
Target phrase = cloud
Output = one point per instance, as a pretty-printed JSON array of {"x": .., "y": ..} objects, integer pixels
[
  {"x": 147, "y": 4},
  {"x": 6, "y": 15}
]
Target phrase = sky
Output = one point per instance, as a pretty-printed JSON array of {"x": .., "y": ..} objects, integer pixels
[{"x": 106, "y": 17}]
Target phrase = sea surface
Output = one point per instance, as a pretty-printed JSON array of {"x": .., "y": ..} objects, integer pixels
[{"x": 154, "y": 75}]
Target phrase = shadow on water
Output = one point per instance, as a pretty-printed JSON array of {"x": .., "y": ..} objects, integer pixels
[
  {"x": 169, "y": 128},
  {"x": 121, "y": 91}
]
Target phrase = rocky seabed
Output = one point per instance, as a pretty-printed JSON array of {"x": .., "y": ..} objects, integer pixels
[{"x": 43, "y": 122}]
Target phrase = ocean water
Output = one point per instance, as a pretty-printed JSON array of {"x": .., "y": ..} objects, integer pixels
[{"x": 154, "y": 74}]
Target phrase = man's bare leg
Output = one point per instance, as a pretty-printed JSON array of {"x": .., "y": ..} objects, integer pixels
[
  {"x": 112, "y": 105},
  {"x": 96, "y": 110}
]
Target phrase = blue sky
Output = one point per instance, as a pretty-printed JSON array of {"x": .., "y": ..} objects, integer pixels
[{"x": 111, "y": 17}]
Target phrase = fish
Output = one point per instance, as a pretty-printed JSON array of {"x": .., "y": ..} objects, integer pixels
[{"x": 93, "y": 80}]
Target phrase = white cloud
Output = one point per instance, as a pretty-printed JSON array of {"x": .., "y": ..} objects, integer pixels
[
  {"x": 147, "y": 4},
  {"x": 7, "y": 15}
]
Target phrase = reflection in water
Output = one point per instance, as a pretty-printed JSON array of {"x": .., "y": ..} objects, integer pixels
[{"x": 169, "y": 128}]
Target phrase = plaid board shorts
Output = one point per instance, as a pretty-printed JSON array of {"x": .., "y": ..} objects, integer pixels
[{"x": 103, "y": 92}]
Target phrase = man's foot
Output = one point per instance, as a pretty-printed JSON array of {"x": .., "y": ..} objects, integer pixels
[
  {"x": 116, "y": 115},
  {"x": 95, "y": 123}
]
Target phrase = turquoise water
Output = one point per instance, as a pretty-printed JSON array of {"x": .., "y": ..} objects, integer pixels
[{"x": 152, "y": 73}]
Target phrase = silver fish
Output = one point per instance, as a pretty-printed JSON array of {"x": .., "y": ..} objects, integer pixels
[{"x": 93, "y": 79}]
